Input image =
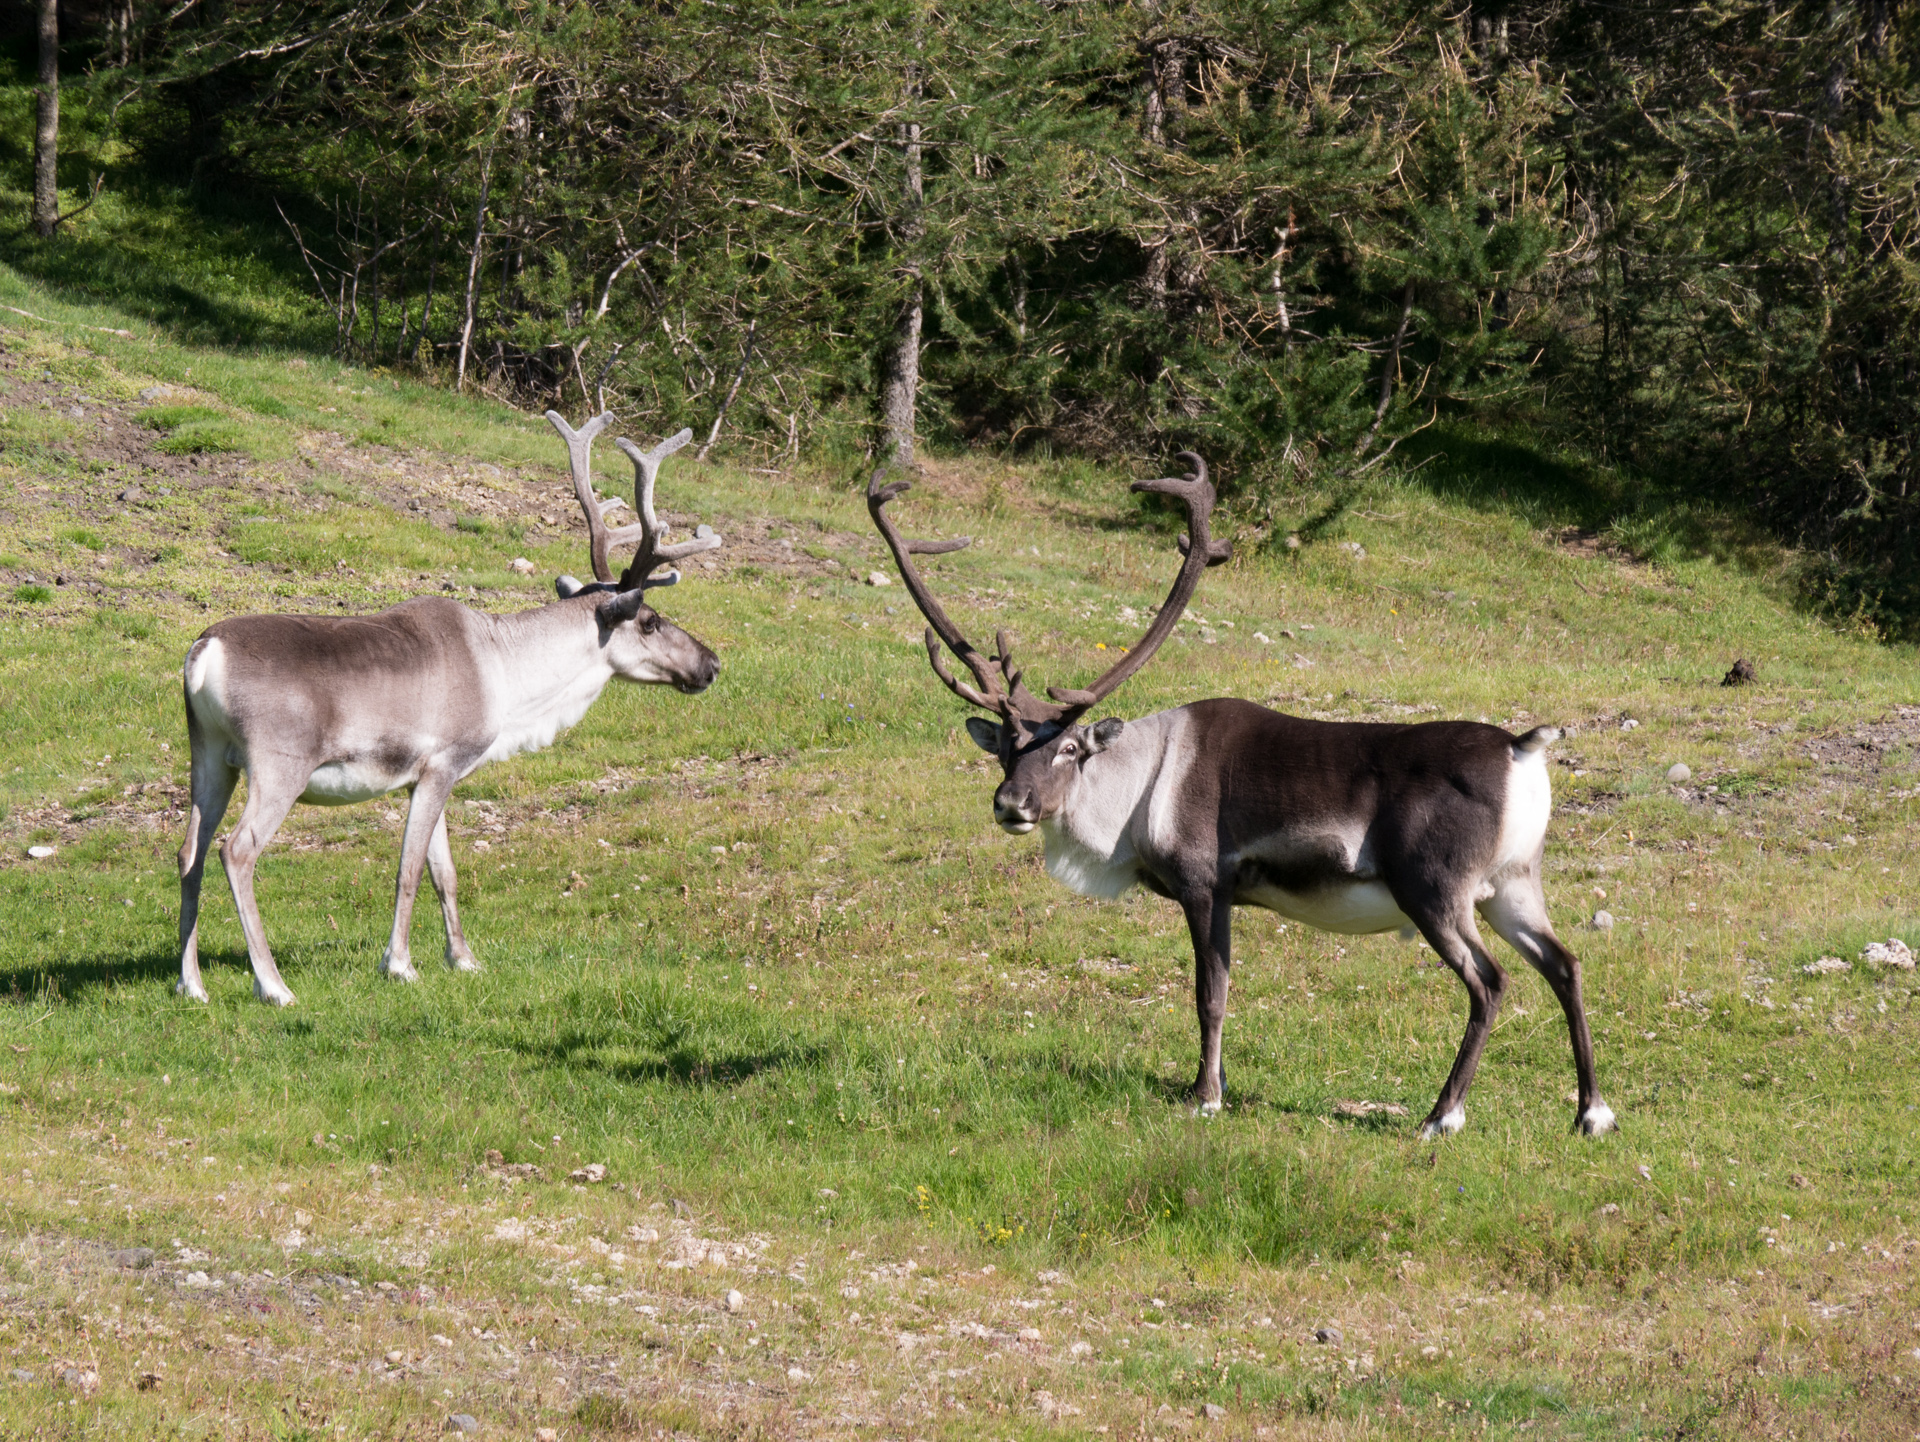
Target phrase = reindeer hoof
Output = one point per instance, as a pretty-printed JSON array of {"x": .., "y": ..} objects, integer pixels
[
  {"x": 282, "y": 997},
  {"x": 462, "y": 963},
  {"x": 192, "y": 991},
  {"x": 1443, "y": 1126},
  {"x": 1208, "y": 1109},
  {"x": 1596, "y": 1121},
  {"x": 398, "y": 968}
]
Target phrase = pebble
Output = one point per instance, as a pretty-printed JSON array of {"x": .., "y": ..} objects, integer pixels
[
  {"x": 545, "y": 1434},
  {"x": 521, "y": 564},
  {"x": 879, "y": 578},
  {"x": 1629, "y": 725},
  {"x": 132, "y": 1258},
  {"x": 735, "y": 1301},
  {"x": 592, "y": 1172},
  {"x": 1826, "y": 966},
  {"x": 1213, "y": 1411},
  {"x": 798, "y": 1374},
  {"x": 1602, "y": 921},
  {"x": 1679, "y": 774},
  {"x": 1262, "y": 638},
  {"x": 1328, "y": 1336},
  {"x": 462, "y": 1422},
  {"x": 40, "y": 853}
]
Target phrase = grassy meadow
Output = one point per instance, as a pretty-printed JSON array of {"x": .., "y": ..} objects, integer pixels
[{"x": 840, "y": 1045}]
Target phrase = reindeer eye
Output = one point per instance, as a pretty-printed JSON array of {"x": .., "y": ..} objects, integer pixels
[{"x": 649, "y": 623}]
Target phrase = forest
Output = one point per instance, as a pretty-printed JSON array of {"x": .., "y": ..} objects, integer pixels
[{"x": 1679, "y": 243}]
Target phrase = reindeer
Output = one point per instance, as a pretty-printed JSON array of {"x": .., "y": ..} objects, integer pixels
[
  {"x": 1348, "y": 827},
  {"x": 336, "y": 709}
]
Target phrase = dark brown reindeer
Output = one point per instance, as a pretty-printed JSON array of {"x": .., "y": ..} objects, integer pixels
[
  {"x": 336, "y": 709},
  {"x": 1345, "y": 826}
]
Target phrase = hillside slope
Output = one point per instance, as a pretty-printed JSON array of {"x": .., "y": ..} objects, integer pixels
[{"x": 842, "y": 1046}]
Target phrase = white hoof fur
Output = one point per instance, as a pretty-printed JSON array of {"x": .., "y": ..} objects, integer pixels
[
  {"x": 398, "y": 968},
  {"x": 1448, "y": 1124},
  {"x": 280, "y": 997},
  {"x": 1597, "y": 1120},
  {"x": 1208, "y": 1109},
  {"x": 462, "y": 963},
  {"x": 192, "y": 991}
]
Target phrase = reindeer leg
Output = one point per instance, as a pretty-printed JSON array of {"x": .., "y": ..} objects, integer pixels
[
  {"x": 440, "y": 868},
  {"x": 211, "y": 781},
  {"x": 270, "y": 797},
  {"x": 1457, "y": 940},
  {"x": 1518, "y": 911},
  {"x": 1210, "y": 923},
  {"x": 424, "y": 817}
]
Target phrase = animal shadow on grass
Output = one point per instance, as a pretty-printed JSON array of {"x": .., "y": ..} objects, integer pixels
[
  {"x": 73, "y": 979},
  {"x": 681, "y": 1061}
]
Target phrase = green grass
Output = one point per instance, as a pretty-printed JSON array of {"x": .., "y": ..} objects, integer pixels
[{"x": 763, "y": 954}]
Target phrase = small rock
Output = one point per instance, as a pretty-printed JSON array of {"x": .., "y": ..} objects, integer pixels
[
  {"x": 1629, "y": 725},
  {"x": 1079, "y": 1349},
  {"x": 1602, "y": 921},
  {"x": 1611, "y": 1209},
  {"x": 462, "y": 1422},
  {"x": 798, "y": 1374},
  {"x": 1029, "y": 1334},
  {"x": 134, "y": 1259},
  {"x": 1347, "y": 1107},
  {"x": 1262, "y": 638},
  {"x": 40, "y": 853},
  {"x": 1679, "y": 774},
  {"x": 1892, "y": 952},
  {"x": 545, "y": 1434},
  {"x": 735, "y": 1301},
  {"x": 1826, "y": 966},
  {"x": 591, "y": 1173},
  {"x": 879, "y": 578},
  {"x": 1328, "y": 1336},
  {"x": 1293, "y": 542},
  {"x": 1354, "y": 549},
  {"x": 1742, "y": 674},
  {"x": 132, "y": 493},
  {"x": 522, "y": 565},
  {"x": 81, "y": 1379},
  {"x": 1213, "y": 1411},
  {"x": 388, "y": 1287},
  {"x": 21, "y": 1374}
]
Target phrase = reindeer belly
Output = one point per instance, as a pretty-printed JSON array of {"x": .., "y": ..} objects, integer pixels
[
  {"x": 341, "y": 783},
  {"x": 1356, "y": 908}
]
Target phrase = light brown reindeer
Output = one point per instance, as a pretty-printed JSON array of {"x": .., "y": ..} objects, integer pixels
[
  {"x": 336, "y": 709},
  {"x": 1349, "y": 827}
]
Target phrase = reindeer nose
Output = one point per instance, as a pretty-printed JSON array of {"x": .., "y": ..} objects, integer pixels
[
  {"x": 702, "y": 675},
  {"x": 1015, "y": 814}
]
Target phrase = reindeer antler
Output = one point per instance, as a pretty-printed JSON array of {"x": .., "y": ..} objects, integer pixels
[
  {"x": 1005, "y": 692},
  {"x": 1196, "y": 493},
  {"x": 651, "y": 555}
]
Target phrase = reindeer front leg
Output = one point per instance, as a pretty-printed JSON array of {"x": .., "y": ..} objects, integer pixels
[
  {"x": 425, "y": 818},
  {"x": 1210, "y": 923}
]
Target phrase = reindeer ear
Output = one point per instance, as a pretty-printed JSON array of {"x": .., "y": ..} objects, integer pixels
[
  {"x": 620, "y": 607},
  {"x": 1103, "y": 734},
  {"x": 567, "y": 586},
  {"x": 985, "y": 734}
]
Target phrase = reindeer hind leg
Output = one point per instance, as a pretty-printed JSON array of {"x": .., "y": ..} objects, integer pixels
[
  {"x": 270, "y": 796},
  {"x": 1518, "y": 912},
  {"x": 1450, "y": 931},
  {"x": 211, "y": 781},
  {"x": 440, "y": 867}
]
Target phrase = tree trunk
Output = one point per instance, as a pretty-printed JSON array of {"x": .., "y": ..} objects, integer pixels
[
  {"x": 46, "y": 131},
  {"x": 473, "y": 275},
  {"x": 900, "y": 367}
]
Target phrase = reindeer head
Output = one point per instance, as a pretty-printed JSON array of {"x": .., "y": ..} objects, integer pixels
[
  {"x": 1041, "y": 745},
  {"x": 641, "y": 645}
]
